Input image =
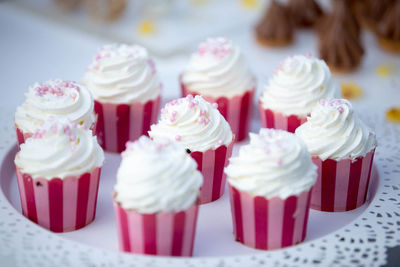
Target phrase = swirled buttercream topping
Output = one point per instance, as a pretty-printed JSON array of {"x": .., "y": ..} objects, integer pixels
[
  {"x": 122, "y": 74},
  {"x": 275, "y": 163},
  {"x": 194, "y": 123},
  {"x": 217, "y": 69},
  {"x": 298, "y": 84},
  {"x": 59, "y": 149},
  {"x": 66, "y": 100},
  {"x": 334, "y": 131},
  {"x": 157, "y": 176}
]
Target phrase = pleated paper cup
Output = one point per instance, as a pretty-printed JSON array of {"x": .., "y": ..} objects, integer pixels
[
  {"x": 59, "y": 205},
  {"x": 269, "y": 224},
  {"x": 163, "y": 233},
  {"x": 276, "y": 120},
  {"x": 236, "y": 110},
  {"x": 342, "y": 185},
  {"x": 117, "y": 124},
  {"x": 211, "y": 164}
]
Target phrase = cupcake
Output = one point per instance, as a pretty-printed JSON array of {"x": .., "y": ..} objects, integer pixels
[
  {"x": 218, "y": 72},
  {"x": 343, "y": 149},
  {"x": 199, "y": 127},
  {"x": 270, "y": 184},
  {"x": 126, "y": 91},
  {"x": 294, "y": 90},
  {"x": 58, "y": 171},
  {"x": 66, "y": 100},
  {"x": 156, "y": 204},
  {"x": 276, "y": 28}
]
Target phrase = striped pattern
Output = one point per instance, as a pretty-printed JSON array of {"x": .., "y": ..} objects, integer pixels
[
  {"x": 60, "y": 205},
  {"x": 236, "y": 110},
  {"x": 211, "y": 164},
  {"x": 21, "y": 136},
  {"x": 276, "y": 120},
  {"x": 163, "y": 233},
  {"x": 343, "y": 185},
  {"x": 117, "y": 124},
  {"x": 269, "y": 223}
]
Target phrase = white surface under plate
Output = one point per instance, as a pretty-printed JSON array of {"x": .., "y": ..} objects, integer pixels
[{"x": 358, "y": 236}]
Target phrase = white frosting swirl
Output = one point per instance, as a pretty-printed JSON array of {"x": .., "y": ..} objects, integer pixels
[
  {"x": 157, "y": 176},
  {"x": 298, "y": 84},
  {"x": 334, "y": 131},
  {"x": 55, "y": 98},
  {"x": 275, "y": 163},
  {"x": 194, "y": 123},
  {"x": 123, "y": 74},
  {"x": 59, "y": 149},
  {"x": 217, "y": 69}
]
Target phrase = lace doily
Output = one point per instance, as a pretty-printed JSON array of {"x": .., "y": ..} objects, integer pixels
[{"x": 363, "y": 242}]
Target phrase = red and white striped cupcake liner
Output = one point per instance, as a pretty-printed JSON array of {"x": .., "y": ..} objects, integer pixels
[
  {"x": 117, "y": 124},
  {"x": 60, "y": 205},
  {"x": 163, "y": 233},
  {"x": 342, "y": 185},
  {"x": 211, "y": 164},
  {"x": 269, "y": 223},
  {"x": 276, "y": 120},
  {"x": 236, "y": 110}
]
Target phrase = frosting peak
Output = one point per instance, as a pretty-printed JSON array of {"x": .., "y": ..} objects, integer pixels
[
  {"x": 59, "y": 149},
  {"x": 124, "y": 74},
  {"x": 194, "y": 123},
  {"x": 275, "y": 163},
  {"x": 298, "y": 84},
  {"x": 217, "y": 69},
  {"x": 66, "y": 100},
  {"x": 334, "y": 131},
  {"x": 172, "y": 184}
]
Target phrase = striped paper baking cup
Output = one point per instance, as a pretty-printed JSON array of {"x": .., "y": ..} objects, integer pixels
[
  {"x": 117, "y": 124},
  {"x": 59, "y": 205},
  {"x": 236, "y": 110},
  {"x": 276, "y": 120},
  {"x": 269, "y": 223},
  {"x": 342, "y": 185},
  {"x": 163, "y": 233},
  {"x": 211, "y": 164}
]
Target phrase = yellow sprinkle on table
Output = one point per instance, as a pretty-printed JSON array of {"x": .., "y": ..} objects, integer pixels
[
  {"x": 393, "y": 114},
  {"x": 385, "y": 70},
  {"x": 198, "y": 2},
  {"x": 147, "y": 27},
  {"x": 351, "y": 91},
  {"x": 249, "y": 3}
]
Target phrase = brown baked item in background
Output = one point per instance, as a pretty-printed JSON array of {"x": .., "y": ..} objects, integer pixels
[
  {"x": 305, "y": 13},
  {"x": 339, "y": 39},
  {"x": 370, "y": 12},
  {"x": 388, "y": 28},
  {"x": 106, "y": 10},
  {"x": 276, "y": 27}
]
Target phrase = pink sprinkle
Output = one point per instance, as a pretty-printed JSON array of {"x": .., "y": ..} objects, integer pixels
[
  {"x": 206, "y": 121},
  {"x": 174, "y": 113},
  {"x": 215, "y": 105},
  {"x": 159, "y": 147},
  {"x": 189, "y": 97},
  {"x": 280, "y": 162},
  {"x": 203, "y": 112},
  {"x": 322, "y": 102},
  {"x": 201, "y": 120},
  {"x": 54, "y": 128},
  {"x": 178, "y": 138},
  {"x": 308, "y": 55},
  {"x": 340, "y": 109},
  {"x": 73, "y": 148},
  {"x": 191, "y": 104},
  {"x": 371, "y": 134},
  {"x": 152, "y": 66},
  {"x": 163, "y": 111}
]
